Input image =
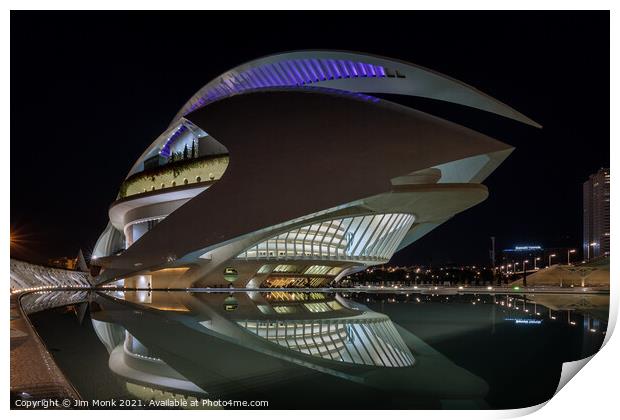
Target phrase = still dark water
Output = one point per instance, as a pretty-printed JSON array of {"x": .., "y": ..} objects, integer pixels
[{"x": 321, "y": 350}]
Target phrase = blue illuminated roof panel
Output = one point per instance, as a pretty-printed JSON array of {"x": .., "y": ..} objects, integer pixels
[{"x": 286, "y": 73}]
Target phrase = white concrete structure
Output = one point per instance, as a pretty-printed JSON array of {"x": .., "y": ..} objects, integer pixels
[
  {"x": 285, "y": 171},
  {"x": 30, "y": 277}
]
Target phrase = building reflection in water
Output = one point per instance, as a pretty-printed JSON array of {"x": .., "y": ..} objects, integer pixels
[
  {"x": 178, "y": 346},
  {"x": 214, "y": 345}
]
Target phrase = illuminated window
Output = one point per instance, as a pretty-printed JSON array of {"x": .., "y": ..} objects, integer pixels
[
  {"x": 318, "y": 281},
  {"x": 334, "y": 271},
  {"x": 264, "y": 309},
  {"x": 334, "y": 305},
  {"x": 317, "y": 269},
  {"x": 286, "y": 268},
  {"x": 318, "y": 307},
  {"x": 285, "y": 309},
  {"x": 285, "y": 296},
  {"x": 264, "y": 269}
]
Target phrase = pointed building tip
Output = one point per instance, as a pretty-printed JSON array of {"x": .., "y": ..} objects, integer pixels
[
  {"x": 532, "y": 123},
  {"x": 524, "y": 119},
  {"x": 81, "y": 261},
  {"x": 499, "y": 108}
]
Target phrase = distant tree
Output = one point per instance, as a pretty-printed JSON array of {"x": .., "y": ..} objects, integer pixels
[
  {"x": 193, "y": 149},
  {"x": 185, "y": 152}
]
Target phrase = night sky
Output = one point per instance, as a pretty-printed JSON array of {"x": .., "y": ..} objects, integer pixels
[{"x": 91, "y": 90}]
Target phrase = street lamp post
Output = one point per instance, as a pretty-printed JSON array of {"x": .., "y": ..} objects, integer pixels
[
  {"x": 589, "y": 245},
  {"x": 525, "y": 273},
  {"x": 551, "y": 256},
  {"x": 535, "y": 260},
  {"x": 570, "y": 251}
]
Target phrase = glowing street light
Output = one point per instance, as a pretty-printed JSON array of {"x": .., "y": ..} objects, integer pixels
[
  {"x": 589, "y": 245},
  {"x": 551, "y": 256},
  {"x": 570, "y": 251},
  {"x": 535, "y": 260}
]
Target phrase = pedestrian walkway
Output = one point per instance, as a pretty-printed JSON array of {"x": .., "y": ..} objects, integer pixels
[{"x": 34, "y": 374}]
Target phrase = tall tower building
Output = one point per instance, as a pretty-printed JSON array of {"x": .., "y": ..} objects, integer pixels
[{"x": 596, "y": 214}]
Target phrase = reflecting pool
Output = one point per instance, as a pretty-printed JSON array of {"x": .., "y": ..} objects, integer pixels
[{"x": 286, "y": 349}]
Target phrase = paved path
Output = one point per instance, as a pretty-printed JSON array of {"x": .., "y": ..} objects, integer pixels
[{"x": 34, "y": 374}]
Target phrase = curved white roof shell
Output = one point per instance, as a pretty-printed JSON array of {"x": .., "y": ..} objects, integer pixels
[
  {"x": 348, "y": 71},
  {"x": 338, "y": 70}
]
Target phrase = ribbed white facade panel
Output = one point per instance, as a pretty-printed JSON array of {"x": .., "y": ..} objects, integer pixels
[
  {"x": 27, "y": 276},
  {"x": 370, "y": 237}
]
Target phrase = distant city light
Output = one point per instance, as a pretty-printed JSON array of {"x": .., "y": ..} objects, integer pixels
[
  {"x": 521, "y": 248},
  {"x": 525, "y": 321}
]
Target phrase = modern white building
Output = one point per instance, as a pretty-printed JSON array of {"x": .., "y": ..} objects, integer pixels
[{"x": 290, "y": 171}]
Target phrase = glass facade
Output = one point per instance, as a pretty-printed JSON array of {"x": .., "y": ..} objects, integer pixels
[{"x": 366, "y": 238}]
